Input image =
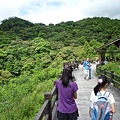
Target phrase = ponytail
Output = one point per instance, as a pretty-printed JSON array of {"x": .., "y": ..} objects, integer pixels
[
  {"x": 102, "y": 80},
  {"x": 96, "y": 89}
]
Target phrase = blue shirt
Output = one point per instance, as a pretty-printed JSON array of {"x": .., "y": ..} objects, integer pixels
[{"x": 86, "y": 65}]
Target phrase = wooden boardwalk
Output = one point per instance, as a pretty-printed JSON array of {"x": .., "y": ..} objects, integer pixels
[{"x": 84, "y": 92}]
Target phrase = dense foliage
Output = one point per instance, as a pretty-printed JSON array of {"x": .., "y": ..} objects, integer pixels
[
  {"x": 113, "y": 66},
  {"x": 102, "y": 29},
  {"x": 32, "y": 56}
]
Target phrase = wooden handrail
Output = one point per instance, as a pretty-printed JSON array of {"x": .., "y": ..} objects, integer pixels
[
  {"x": 110, "y": 75},
  {"x": 48, "y": 105}
]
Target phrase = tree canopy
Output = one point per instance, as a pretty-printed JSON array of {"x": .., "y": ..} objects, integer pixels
[{"x": 32, "y": 56}]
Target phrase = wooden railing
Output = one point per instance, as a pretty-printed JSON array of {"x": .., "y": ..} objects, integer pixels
[
  {"x": 46, "y": 112},
  {"x": 113, "y": 78}
]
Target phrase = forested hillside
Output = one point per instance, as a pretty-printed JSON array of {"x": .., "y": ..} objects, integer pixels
[
  {"x": 102, "y": 29},
  {"x": 32, "y": 56}
]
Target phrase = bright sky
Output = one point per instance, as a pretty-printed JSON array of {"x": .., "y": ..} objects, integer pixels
[{"x": 56, "y": 11}]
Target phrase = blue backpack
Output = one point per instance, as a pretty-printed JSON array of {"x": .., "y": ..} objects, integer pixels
[{"x": 100, "y": 108}]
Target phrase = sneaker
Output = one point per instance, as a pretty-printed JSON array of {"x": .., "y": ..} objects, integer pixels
[{"x": 87, "y": 78}]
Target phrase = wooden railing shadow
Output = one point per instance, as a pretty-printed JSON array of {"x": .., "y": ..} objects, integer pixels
[
  {"x": 46, "y": 111},
  {"x": 113, "y": 78}
]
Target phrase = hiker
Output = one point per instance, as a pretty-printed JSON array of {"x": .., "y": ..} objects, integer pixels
[
  {"x": 100, "y": 94},
  {"x": 87, "y": 69},
  {"x": 70, "y": 66},
  {"x": 67, "y": 89},
  {"x": 96, "y": 61},
  {"x": 76, "y": 63},
  {"x": 90, "y": 70}
]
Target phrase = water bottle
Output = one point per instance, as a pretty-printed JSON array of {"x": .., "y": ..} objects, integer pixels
[{"x": 111, "y": 114}]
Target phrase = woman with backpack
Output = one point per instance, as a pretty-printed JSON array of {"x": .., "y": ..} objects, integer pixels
[
  {"x": 103, "y": 99},
  {"x": 67, "y": 89}
]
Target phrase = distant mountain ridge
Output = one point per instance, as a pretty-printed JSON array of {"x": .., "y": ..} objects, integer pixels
[{"x": 103, "y": 29}]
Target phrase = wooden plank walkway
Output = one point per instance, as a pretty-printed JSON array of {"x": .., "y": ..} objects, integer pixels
[{"x": 84, "y": 92}]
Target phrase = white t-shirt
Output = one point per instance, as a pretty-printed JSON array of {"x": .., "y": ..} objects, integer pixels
[
  {"x": 96, "y": 62},
  {"x": 112, "y": 100}
]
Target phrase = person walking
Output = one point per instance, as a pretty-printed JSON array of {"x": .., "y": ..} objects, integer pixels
[
  {"x": 67, "y": 89},
  {"x": 86, "y": 66},
  {"x": 96, "y": 61},
  {"x": 76, "y": 63},
  {"x": 100, "y": 91}
]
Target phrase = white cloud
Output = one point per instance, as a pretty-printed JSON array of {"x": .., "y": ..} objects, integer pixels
[{"x": 56, "y": 11}]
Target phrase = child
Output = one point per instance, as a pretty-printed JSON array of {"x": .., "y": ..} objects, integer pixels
[
  {"x": 67, "y": 108},
  {"x": 101, "y": 88}
]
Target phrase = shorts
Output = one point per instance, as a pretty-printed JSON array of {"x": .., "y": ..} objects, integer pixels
[{"x": 67, "y": 116}]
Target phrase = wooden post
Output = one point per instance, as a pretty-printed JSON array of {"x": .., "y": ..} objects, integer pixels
[
  {"x": 47, "y": 96},
  {"x": 102, "y": 58},
  {"x": 56, "y": 89},
  {"x": 104, "y": 71},
  {"x": 112, "y": 76}
]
